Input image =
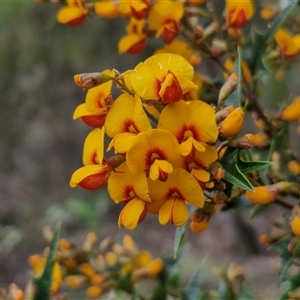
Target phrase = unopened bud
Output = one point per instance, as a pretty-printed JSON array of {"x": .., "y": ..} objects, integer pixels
[
  {"x": 243, "y": 142},
  {"x": 89, "y": 242},
  {"x": 94, "y": 291},
  {"x": 220, "y": 197},
  {"x": 261, "y": 140},
  {"x": 292, "y": 244},
  {"x": 155, "y": 267},
  {"x": 265, "y": 240},
  {"x": 232, "y": 124},
  {"x": 90, "y": 80},
  {"x": 105, "y": 244},
  {"x": 217, "y": 171},
  {"x": 234, "y": 272},
  {"x": 291, "y": 112},
  {"x": 294, "y": 167},
  {"x": 261, "y": 195},
  {"x": 210, "y": 30},
  {"x": 75, "y": 281},
  {"x": 199, "y": 227},
  {"x": 295, "y": 226},
  {"x": 218, "y": 47},
  {"x": 228, "y": 87},
  {"x": 223, "y": 113}
]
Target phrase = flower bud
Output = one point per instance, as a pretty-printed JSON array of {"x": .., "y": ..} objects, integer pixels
[
  {"x": 243, "y": 142},
  {"x": 75, "y": 281},
  {"x": 217, "y": 171},
  {"x": 155, "y": 267},
  {"x": 291, "y": 112},
  {"x": 295, "y": 226},
  {"x": 261, "y": 195},
  {"x": 232, "y": 124},
  {"x": 218, "y": 47},
  {"x": 87, "y": 270},
  {"x": 89, "y": 242},
  {"x": 210, "y": 30},
  {"x": 199, "y": 227},
  {"x": 228, "y": 87},
  {"x": 90, "y": 80},
  {"x": 220, "y": 197},
  {"x": 261, "y": 140},
  {"x": 223, "y": 113},
  {"x": 294, "y": 167},
  {"x": 94, "y": 291}
]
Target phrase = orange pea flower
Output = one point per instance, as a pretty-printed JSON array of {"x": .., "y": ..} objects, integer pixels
[
  {"x": 288, "y": 44},
  {"x": 193, "y": 124},
  {"x": 94, "y": 174},
  {"x": 124, "y": 121},
  {"x": 137, "y": 9},
  {"x": 107, "y": 9},
  {"x": 164, "y": 76},
  {"x": 182, "y": 48},
  {"x": 239, "y": 12},
  {"x": 152, "y": 151},
  {"x": 164, "y": 18},
  {"x": 74, "y": 14},
  {"x": 179, "y": 189},
  {"x": 135, "y": 40},
  {"x": 97, "y": 104},
  {"x": 132, "y": 189}
]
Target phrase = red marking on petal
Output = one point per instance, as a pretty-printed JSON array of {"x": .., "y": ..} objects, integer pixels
[
  {"x": 128, "y": 192},
  {"x": 139, "y": 14},
  {"x": 173, "y": 92},
  {"x": 182, "y": 133},
  {"x": 153, "y": 154},
  {"x": 130, "y": 126},
  {"x": 173, "y": 192}
]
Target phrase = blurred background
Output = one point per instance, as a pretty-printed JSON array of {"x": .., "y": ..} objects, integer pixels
[{"x": 41, "y": 146}]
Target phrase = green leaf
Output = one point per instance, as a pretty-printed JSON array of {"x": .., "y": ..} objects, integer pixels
[
  {"x": 260, "y": 40},
  {"x": 249, "y": 166},
  {"x": 286, "y": 256},
  {"x": 43, "y": 283},
  {"x": 192, "y": 290},
  {"x": 244, "y": 294},
  {"x": 233, "y": 174},
  {"x": 289, "y": 285},
  {"x": 180, "y": 231},
  {"x": 257, "y": 210},
  {"x": 235, "y": 98}
]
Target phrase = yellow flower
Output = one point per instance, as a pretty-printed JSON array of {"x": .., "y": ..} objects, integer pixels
[
  {"x": 107, "y": 9},
  {"x": 164, "y": 76},
  {"x": 292, "y": 112},
  {"x": 182, "y": 48},
  {"x": 135, "y": 40},
  {"x": 73, "y": 14},
  {"x": 137, "y": 9},
  {"x": 152, "y": 151},
  {"x": 94, "y": 174},
  {"x": 97, "y": 104},
  {"x": 124, "y": 121},
  {"x": 288, "y": 44},
  {"x": 239, "y": 12},
  {"x": 179, "y": 189},
  {"x": 164, "y": 17},
  {"x": 132, "y": 189},
  {"x": 193, "y": 124}
]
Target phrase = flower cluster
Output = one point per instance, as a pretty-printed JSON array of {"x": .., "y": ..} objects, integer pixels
[
  {"x": 164, "y": 143},
  {"x": 94, "y": 267}
]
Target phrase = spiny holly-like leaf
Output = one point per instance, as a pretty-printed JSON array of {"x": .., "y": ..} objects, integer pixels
[
  {"x": 249, "y": 166},
  {"x": 260, "y": 40},
  {"x": 235, "y": 98},
  {"x": 285, "y": 255},
  {"x": 43, "y": 283},
  {"x": 192, "y": 290},
  {"x": 232, "y": 173}
]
